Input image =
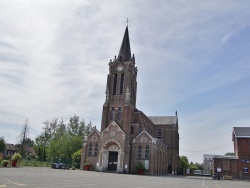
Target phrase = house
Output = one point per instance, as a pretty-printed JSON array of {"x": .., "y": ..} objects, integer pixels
[
  {"x": 11, "y": 149},
  {"x": 236, "y": 166},
  {"x": 208, "y": 161}
]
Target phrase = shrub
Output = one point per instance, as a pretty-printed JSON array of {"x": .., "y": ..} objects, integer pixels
[
  {"x": 5, "y": 162},
  {"x": 140, "y": 166},
  {"x": 16, "y": 157},
  {"x": 7, "y": 157},
  {"x": 1, "y": 160},
  {"x": 76, "y": 158}
]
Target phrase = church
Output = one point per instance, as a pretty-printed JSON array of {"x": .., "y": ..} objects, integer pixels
[{"x": 128, "y": 137}]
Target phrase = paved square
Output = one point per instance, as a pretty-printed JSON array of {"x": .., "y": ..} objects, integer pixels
[{"x": 38, "y": 177}]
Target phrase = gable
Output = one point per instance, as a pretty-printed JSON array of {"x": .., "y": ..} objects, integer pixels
[
  {"x": 94, "y": 132},
  {"x": 144, "y": 137},
  {"x": 112, "y": 129}
]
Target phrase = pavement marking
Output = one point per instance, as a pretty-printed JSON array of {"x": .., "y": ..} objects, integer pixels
[
  {"x": 10, "y": 183},
  {"x": 203, "y": 182},
  {"x": 217, "y": 184}
]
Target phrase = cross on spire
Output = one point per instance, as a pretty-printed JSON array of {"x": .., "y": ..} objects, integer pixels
[{"x": 127, "y": 21}]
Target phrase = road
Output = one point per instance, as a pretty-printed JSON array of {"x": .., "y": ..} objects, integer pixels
[{"x": 42, "y": 177}]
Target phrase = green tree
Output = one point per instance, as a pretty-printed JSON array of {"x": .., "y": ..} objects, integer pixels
[
  {"x": 2, "y": 145},
  {"x": 199, "y": 166},
  {"x": 40, "y": 147},
  {"x": 230, "y": 154},
  {"x": 88, "y": 128},
  {"x": 28, "y": 142},
  {"x": 184, "y": 162},
  {"x": 51, "y": 130},
  {"x": 62, "y": 141},
  {"x": 64, "y": 146},
  {"x": 76, "y": 127},
  {"x": 76, "y": 158},
  {"x": 195, "y": 166}
]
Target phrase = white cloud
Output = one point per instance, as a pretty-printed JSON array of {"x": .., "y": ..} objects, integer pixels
[{"x": 54, "y": 60}]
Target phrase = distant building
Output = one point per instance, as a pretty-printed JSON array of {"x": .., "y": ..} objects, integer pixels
[
  {"x": 11, "y": 149},
  {"x": 208, "y": 161},
  {"x": 127, "y": 135},
  {"x": 236, "y": 166}
]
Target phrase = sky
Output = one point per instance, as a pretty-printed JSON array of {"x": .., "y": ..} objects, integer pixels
[{"x": 192, "y": 57}]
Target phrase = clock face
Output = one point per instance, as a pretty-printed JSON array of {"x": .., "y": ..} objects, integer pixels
[{"x": 119, "y": 68}]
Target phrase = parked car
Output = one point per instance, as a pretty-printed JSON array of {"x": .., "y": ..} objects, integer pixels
[{"x": 60, "y": 166}]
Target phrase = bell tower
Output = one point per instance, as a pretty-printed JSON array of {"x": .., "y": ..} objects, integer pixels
[{"x": 121, "y": 88}]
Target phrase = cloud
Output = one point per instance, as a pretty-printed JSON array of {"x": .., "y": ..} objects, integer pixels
[{"x": 192, "y": 57}]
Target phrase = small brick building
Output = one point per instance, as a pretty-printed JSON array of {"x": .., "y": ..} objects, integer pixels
[
  {"x": 127, "y": 135},
  {"x": 236, "y": 166}
]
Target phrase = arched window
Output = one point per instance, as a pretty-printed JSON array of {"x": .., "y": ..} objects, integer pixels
[
  {"x": 132, "y": 130},
  {"x": 119, "y": 113},
  {"x": 147, "y": 151},
  {"x": 115, "y": 84},
  {"x": 96, "y": 149},
  {"x": 121, "y": 83},
  {"x": 159, "y": 134},
  {"x": 139, "y": 152},
  {"x": 90, "y": 149},
  {"x": 112, "y": 114}
]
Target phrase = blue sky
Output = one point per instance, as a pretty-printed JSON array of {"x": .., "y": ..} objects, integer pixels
[{"x": 192, "y": 56}]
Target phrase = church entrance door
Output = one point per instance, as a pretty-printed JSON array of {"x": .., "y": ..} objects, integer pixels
[
  {"x": 113, "y": 158},
  {"x": 169, "y": 169}
]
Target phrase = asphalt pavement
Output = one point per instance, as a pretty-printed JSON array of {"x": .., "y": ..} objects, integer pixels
[{"x": 42, "y": 177}]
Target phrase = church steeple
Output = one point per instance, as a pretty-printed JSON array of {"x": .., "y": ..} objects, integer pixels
[
  {"x": 125, "y": 52},
  {"x": 121, "y": 88}
]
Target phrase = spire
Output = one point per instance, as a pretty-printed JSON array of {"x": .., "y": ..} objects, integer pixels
[{"x": 125, "y": 53}]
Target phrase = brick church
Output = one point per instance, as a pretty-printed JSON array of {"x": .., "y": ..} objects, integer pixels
[{"x": 127, "y": 136}]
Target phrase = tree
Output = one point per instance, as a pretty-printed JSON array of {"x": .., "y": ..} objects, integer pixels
[
  {"x": 229, "y": 154},
  {"x": 51, "y": 130},
  {"x": 63, "y": 147},
  {"x": 62, "y": 140},
  {"x": 24, "y": 136},
  {"x": 88, "y": 128},
  {"x": 184, "y": 162},
  {"x": 76, "y": 158},
  {"x": 76, "y": 127},
  {"x": 40, "y": 146},
  {"x": 2, "y": 145},
  {"x": 195, "y": 166},
  {"x": 28, "y": 142}
]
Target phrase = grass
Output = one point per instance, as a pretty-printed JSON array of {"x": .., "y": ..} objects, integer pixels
[{"x": 33, "y": 162}]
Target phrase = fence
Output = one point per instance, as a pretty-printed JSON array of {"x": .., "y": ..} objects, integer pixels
[{"x": 203, "y": 172}]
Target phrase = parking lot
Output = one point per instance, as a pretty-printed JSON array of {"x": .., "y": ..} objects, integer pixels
[{"x": 42, "y": 177}]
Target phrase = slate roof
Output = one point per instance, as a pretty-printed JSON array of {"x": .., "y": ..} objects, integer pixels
[
  {"x": 11, "y": 147},
  {"x": 241, "y": 132},
  {"x": 125, "y": 51},
  {"x": 163, "y": 120},
  {"x": 225, "y": 157}
]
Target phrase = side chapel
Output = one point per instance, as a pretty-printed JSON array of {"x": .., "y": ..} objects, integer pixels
[{"x": 127, "y": 135}]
